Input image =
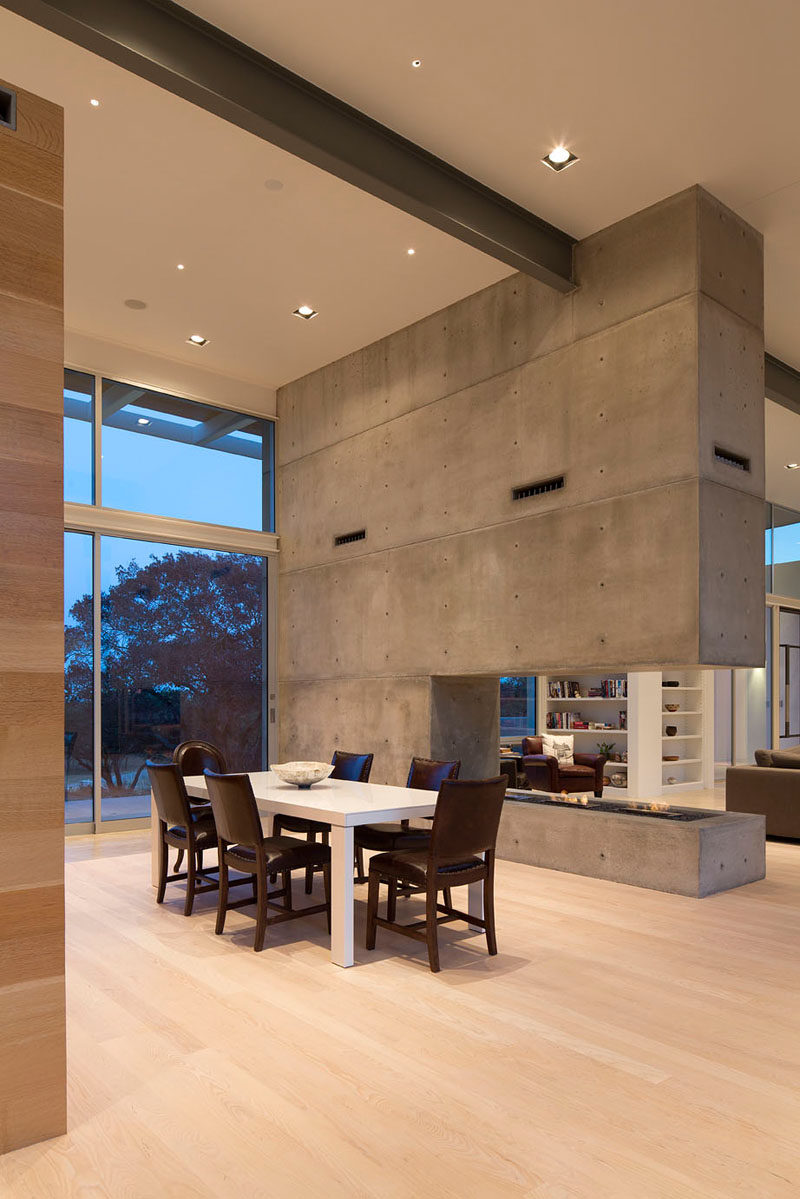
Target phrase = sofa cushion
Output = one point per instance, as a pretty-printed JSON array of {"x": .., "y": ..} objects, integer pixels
[
  {"x": 763, "y": 757},
  {"x": 785, "y": 760}
]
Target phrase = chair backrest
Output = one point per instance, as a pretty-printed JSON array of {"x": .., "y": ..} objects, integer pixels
[
  {"x": 169, "y": 793},
  {"x": 354, "y": 768},
  {"x": 467, "y": 818},
  {"x": 193, "y": 757},
  {"x": 427, "y": 775},
  {"x": 235, "y": 810},
  {"x": 532, "y": 745}
]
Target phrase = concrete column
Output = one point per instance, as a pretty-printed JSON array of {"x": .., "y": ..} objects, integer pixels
[{"x": 465, "y": 724}]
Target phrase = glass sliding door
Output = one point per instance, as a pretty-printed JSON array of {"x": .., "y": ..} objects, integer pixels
[
  {"x": 182, "y": 653},
  {"x": 78, "y": 679}
]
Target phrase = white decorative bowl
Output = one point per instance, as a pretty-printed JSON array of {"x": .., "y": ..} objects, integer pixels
[{"x": 302, "y": 774}]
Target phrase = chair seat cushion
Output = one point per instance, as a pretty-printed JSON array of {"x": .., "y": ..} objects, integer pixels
[
  {"x": 297, "y": 824},
  {"x": 282, "y": 853},
  {"x": 387, "y": 837},
  {"x": 575, "y": 771},
  {"x": 412, "y": 867},
  {"x": 205, "y": 832}
]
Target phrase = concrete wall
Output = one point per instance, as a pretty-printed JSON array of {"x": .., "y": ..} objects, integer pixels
[
  {"x": 651, "y": 554},
  {"x": 32, "y": 1019}
]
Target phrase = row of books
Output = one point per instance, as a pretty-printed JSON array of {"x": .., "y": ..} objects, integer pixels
[
  {"x": 575, "y": 720},
  {"x": 571, "y": 689}
]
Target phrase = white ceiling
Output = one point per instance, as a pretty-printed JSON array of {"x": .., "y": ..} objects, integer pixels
[
  {"x": 152, "y": 181},
  {"x": 652, "y": 97}
]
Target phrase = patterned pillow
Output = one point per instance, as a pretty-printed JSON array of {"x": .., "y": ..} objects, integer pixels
[{"x": 560, "y": 747}]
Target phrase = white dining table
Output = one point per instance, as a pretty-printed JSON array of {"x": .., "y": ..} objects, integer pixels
[{"x": 342, "y": 805}]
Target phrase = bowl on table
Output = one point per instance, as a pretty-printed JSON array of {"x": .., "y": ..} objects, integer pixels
[{"x": 302, "y": 774}]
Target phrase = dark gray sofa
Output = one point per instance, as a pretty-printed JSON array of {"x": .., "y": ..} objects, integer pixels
[{"x": 771, "y": 788}]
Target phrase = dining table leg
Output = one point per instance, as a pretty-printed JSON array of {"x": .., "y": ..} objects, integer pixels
[{"x": 342, "y": 849}]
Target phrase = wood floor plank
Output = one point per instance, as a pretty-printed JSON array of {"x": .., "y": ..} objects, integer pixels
[{"x": 624, "y": 1044}]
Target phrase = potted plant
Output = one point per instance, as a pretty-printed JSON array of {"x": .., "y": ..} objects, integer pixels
[{"x": 607, "y": 748}]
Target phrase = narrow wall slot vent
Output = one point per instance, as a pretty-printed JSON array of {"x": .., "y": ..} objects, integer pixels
[
  {"x": 730, "y": 459},
  {"x": 525, "y": 493},
  {"x": 8, "y": 108},
  {"x": 347, "y": 538}
]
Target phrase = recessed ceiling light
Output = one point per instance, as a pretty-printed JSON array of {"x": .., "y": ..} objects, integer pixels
[
  {"x": 197, "y": 339},
  {"x": 416, "y": 63},
  {"x": 793, "y": 466},
  {"x": 273, "y": 185},
  {"x": 305, "y": 311},
  {"x": 137, "y": 305},
  {"x": 143, "y": 421},
  {"x": 411, "y": 250},
  {"x": 559, "y": 158},
  {"x": 95, "y": 103},
  {"x": 181, "y": 267}
]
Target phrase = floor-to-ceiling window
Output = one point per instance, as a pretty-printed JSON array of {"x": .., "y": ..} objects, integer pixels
[
  {"x": 169, "y": 511},
  {"x": 517, "y": 706}
]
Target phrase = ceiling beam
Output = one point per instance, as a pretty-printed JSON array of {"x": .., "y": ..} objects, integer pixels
[
  {"x": 220, "y": 426},
  {"x": 117, "y": 396},
  {"x": 173, "y": 48},
  {"x": 782, "y": 383}
]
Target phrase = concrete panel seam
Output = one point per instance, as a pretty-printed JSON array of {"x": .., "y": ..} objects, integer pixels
[
  {"x": 568, "y": 346},
  {"x": 287, "y": 571}
]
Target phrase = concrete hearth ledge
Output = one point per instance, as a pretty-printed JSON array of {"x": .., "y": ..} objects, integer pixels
[{"x": 717, "y": 852}]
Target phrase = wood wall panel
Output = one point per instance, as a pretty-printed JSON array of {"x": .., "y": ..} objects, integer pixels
[{"x": 32, "y": 1031}]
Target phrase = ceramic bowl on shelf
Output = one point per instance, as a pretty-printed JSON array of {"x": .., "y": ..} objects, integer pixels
[
  {"x": 671, "y": 730},
  {"x": 619, "y": 780},
  {"x": 672, "y": 707},
  {"x": 302, "y": 774},
  {"x": 669, "y": 757},
  {"x": 672, "y": 780}
]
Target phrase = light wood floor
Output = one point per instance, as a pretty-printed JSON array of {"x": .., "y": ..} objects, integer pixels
[{"x": 624, "y": 1043}]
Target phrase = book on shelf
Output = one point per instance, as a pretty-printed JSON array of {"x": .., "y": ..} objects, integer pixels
[
  {"x": 564, "y": 689},
  {"x": 614, "y": 688}
]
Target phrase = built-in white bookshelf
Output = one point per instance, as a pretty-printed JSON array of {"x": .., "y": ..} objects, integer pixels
[
  {"x": 691, "y": 692},
  {"x": 635, "y": 722},
  {"x": 573, "y": 712}
]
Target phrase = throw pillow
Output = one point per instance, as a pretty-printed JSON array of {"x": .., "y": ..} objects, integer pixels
[{"x": 560, "y": 748}]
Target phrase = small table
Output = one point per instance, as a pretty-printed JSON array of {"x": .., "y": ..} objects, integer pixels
[{"x": 342, "y": 805}]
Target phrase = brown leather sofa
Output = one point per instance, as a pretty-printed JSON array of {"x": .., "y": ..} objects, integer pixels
[
  {"x": 771, "y": 788},
  {"x": 545, "y": 774}
]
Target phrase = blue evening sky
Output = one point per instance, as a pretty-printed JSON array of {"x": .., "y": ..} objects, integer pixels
[{"x": 151, "y": 475}]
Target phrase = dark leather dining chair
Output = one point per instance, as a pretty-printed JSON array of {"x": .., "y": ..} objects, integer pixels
[
  {"x": 244, "y": 848},
  {"x": 461, "y": 851},
  {"x": 354, "y": 768},
  {"x": 424, "y": 774},
  {"x": 183, "y": 828},
  {"x": 192, "y": 758}
]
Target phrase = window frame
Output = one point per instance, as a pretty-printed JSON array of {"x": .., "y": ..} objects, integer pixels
[{"x": 98, "y": 521}]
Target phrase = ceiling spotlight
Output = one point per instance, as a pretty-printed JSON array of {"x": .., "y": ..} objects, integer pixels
[
  {"x": 793, "y": 466},
  {"x": 416, "y": 63},
  {"x": 411, "y": 250},
  {"x": 273, "y": 185},
  {"x": 305, "y": 312},
  {"x": 197, "y": 339},
  {"x": 136, "y": 305},
  {"x": 559, "y": 158},
  {"x": 143, "y": 421},
  {"x": 95, "y": 103},
  {"x": 181, "y": 267}
]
